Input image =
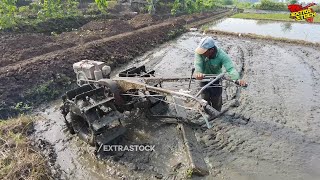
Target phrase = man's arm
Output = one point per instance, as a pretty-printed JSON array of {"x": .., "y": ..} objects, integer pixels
[
  {"x": 199, "y": 67},
  {"x": 198, "y": 63},
  {"x": 228, "y": 65}
]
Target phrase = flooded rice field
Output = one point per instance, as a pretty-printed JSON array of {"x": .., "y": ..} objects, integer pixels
[
  {"x": 274, "y": 132},
  {"x": 290, "y": 30}
]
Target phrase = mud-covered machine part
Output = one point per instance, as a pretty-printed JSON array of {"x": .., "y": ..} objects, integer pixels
[
  {"x": 94, "y": 109},
  {"x": 90, "y": 110}
]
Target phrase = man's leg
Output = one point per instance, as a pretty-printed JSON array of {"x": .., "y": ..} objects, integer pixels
[
  {"x": 213, "y": 95},
  {"x": 205, "y": 93},
  {"x": 216, "y": 102}
]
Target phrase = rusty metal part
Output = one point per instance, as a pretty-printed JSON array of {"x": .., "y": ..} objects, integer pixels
[
  {"x": 127, "y": 84},
  {"x": 112, "y": 88},
  {"x": 136, "y": 72}
]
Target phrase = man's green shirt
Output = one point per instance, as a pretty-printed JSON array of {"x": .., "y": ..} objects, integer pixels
[{"x": 214, "y": 66}]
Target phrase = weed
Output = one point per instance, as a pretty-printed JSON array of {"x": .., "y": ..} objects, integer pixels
[
  {"x": 189, "y": 173},
  {"x": 20, "y": 160},
  {"x": 22, "y": 107}
]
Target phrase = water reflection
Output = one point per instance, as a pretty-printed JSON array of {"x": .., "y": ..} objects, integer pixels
[
  {"x": 290, "y": 30},
  {"x": 286, "y": 27},
  {"x": 263, "y": 22}
]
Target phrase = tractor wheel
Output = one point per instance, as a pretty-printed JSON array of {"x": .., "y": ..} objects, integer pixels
[
  {"x": 83, "y": 129},
  {"x": 68, "y": 121}
]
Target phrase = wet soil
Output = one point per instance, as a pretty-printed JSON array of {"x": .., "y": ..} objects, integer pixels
[
  {"x": 20, "y": 47},
  {"x": 76, "y": 160},
  {"x": 94, "y": 30},
  {"x": 272, "y": 134}
]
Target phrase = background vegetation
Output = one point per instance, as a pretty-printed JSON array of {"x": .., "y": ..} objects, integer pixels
[
  {"x": 24, "y": 12},
  {"x": 273, "y": 16},
  {"x": 271, "y": 5},
  {"x": 20, "y": 14}
]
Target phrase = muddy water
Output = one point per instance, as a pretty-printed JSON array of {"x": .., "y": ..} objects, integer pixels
[
  {"x": 76, "y": 159},
  {"x": 273, "y": 134},
  {"x": 290, "y": 30}
]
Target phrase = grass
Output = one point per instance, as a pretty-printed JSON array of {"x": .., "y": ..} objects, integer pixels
[
  {"x": 277, "y": 17},
  {"x": 18, "y": 158}
]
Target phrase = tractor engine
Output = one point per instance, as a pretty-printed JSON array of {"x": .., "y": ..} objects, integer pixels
[{"x": 88, "y": 70}]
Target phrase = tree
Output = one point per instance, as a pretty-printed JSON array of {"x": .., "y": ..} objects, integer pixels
[
  {"x": 58, "y": 8},
  {"x": 8, "y": 10},
  {"x": 102, "y": 5},
  {"x": 293, "y": 1},
  {"x": 151, "y": 6},
  {"x": 227, "y": 2}
]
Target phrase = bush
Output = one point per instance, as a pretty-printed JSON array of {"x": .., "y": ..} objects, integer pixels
[
  {"x": 316, "y": 8},
  {"x": 8, "y": 11},
  {"x": 271, "y": 5},
  {"x": 58, "y": 8},
  {"x": 192, "y": 6},
  {"x": 227, "y": 2},
  {"x": 15, "y": 13},
  {"x": 23, "y": 2},
  {"x": 242, "y": 5}
]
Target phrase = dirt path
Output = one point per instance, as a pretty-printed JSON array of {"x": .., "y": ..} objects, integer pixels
[{"x": 273, "y": 133}]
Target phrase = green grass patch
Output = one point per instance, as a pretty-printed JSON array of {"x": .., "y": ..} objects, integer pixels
[{"x": 277, "y": 17}]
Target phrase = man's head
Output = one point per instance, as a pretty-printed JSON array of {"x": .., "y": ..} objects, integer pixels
[{"x": 207, "y": 47}]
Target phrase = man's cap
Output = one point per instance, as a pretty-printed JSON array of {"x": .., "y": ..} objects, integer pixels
[{"x": 205, "y": 44}]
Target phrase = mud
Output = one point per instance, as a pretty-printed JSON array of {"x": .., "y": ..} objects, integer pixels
[
  {"x": 143, "y": 20},
  {"x": 94, "y": 30},
  {"x": 272, "y": 134},
  {"x": 281, "y": 109},
  {"x": 20, "y": 47},
  {"x": 76, "y": 160}
]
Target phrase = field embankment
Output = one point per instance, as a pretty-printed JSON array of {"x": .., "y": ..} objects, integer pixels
[{"x": 271, "y": 16}]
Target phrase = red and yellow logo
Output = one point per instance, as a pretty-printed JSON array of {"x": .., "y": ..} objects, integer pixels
[{"x": 302, "y": 13}]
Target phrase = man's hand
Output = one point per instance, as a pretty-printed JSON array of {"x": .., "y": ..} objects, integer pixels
[
  {"x": 198, "y": 76},
  {"x": 241, "y": 82}
]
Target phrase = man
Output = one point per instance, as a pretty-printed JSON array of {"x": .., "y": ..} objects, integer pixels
[{"x": 209, "y": 59}]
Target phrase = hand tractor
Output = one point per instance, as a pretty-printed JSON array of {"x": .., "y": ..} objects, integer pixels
[{"x": 94, "y": 110}]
